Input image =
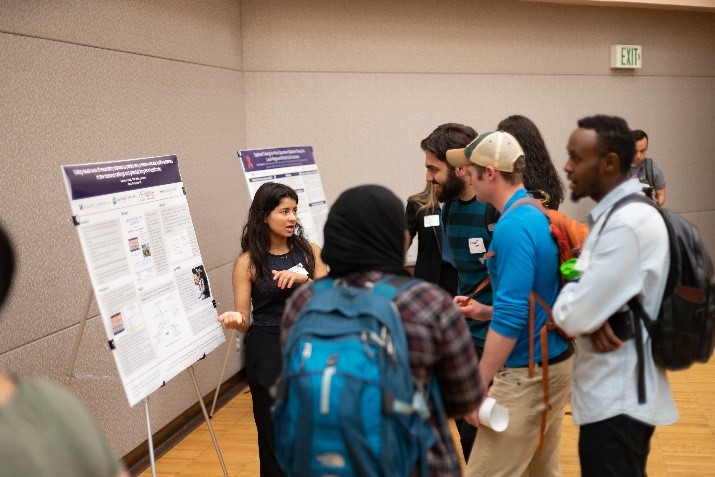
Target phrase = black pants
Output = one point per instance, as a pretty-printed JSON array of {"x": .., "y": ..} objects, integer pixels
[
  {"x": 467, "y": 435},
  {"x": 614, "y": 447},
  {"x": 467, "y": 432},
  {"x": 263, "y": 365}
]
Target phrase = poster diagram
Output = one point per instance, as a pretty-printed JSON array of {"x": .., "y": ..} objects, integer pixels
[
  {"x": 295, "y": 167},
  {"x": 144, "y": 262}
]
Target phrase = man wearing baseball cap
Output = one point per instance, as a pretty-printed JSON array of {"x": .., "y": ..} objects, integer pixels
[{"x": 523, "y": 258}]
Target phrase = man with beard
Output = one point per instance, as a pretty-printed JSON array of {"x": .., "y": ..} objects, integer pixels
[
  {"x": 615, "y": 429},
  {"x": 464, "y": 225}
]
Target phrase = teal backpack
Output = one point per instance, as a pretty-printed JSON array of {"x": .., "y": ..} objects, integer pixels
[{"x": 346, "y": 402}]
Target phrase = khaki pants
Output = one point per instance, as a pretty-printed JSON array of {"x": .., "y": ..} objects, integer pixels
[{"x": 514, "y": 452}]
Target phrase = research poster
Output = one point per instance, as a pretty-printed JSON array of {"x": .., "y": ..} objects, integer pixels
[
  {"x": 149, "y": 280},
  {"x": 295, "y": 167}
]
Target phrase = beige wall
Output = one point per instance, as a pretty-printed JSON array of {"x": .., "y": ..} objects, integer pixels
[{"x": 362, "y": 82}]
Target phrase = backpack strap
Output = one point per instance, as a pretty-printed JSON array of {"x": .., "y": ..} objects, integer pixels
[
  {"x": 649, "y": 172},
  {"x": 544, "y": 337},
  {"x": 634, "y": 304},
  {"x": 389, "y": 287}
]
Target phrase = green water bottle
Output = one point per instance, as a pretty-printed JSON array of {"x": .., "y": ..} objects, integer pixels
[{"x": 568, "y": 270}]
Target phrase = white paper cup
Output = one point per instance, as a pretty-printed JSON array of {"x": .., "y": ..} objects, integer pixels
[{"x": 493, "y": 415}]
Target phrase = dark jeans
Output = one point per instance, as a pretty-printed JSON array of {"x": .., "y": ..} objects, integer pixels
[
  {"x": 467, "y": 432},
  {"x": 467, "y": 435},
  {"x": 614, "y": 447}
]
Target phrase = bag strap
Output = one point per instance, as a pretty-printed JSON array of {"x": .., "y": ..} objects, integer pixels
[
  {"x": 649, "y": 172},
  {"x": 544, "y": 337},
  {"x": 389, "y": 287},
  {"x": 635, "y": 305}
]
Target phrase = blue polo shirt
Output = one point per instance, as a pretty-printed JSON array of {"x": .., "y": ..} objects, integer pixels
[{"x": 525, "y": 259}]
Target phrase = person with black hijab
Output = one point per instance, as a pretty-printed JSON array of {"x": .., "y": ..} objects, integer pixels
[{"x": 365, "y": 240}]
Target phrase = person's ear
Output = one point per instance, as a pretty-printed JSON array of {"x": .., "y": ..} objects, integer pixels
[
  {"x": 461, "y": 171},
  {"x": 611, "y": 163}
]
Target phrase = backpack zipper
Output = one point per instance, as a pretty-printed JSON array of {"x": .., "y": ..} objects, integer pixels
[{"x": 330, "y": 368}]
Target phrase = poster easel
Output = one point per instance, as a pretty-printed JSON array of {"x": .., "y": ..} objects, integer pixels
[
  {"x": 70, "y": 374},
  {"x": 147, "y": 275}
]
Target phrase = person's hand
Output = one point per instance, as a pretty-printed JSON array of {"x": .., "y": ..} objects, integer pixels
[
  {"x": 473, "y": 417},
  {"x": 234, "y": 320},
  {"x": 473, "y": 309},
  {"x": 604, "y": 339},
  {"x": 286, "y": 278}
]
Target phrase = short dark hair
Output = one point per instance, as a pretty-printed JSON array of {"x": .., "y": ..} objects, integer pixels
[
  {"x": 448, "y": 136},
  {"x": 638, "y": 134},
  {"x": 614, "y": 136}
]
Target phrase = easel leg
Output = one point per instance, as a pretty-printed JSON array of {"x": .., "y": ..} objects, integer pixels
[
  {"x": 208, "y": 421},
  {"x": 149, "y": 441},
  {"x": 78, "y": 339},
  {"x": 223, "y": 370}
]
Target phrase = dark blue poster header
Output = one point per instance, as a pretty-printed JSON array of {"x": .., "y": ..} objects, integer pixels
[
  {"x": 257, "y": 160},
  {"x": 102, "y": 178}
]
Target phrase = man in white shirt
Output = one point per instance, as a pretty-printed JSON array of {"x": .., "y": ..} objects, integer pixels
[{"x": 626, "y": 258}]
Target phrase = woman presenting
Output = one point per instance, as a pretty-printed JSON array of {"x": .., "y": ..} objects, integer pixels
[{"x": 275, "y": 260}]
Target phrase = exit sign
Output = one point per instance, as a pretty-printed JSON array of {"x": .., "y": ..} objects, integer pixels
[{"x": 626, "y": 56}]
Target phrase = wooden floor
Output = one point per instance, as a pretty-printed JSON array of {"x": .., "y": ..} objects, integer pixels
[{"x": 684, "y": 449}]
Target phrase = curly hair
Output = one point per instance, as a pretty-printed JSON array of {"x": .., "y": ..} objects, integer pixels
[
  {"x": 540, "y": 175},
  {"x": 256, "y": 239}
]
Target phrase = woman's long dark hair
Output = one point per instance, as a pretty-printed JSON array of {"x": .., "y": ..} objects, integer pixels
[
  {"x": 540, "y": 175},
  {"x": 256, "y": 239}
]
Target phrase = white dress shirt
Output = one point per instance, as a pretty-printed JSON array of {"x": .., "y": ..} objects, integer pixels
[{"x": 629, "y": 257}]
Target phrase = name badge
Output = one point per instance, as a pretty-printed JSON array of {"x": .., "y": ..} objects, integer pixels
[
  {"x": 299, "y": 269},
  {"x": 431, "y": 220},
  {"x": 476, "y": 245}
]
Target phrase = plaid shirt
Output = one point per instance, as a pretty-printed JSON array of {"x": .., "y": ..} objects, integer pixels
[{"x": 439, "y": 344}]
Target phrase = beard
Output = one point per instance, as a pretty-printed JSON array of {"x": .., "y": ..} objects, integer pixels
[
  {"x": 451, "y": 188},
  {"x": 575, "y": 196}
]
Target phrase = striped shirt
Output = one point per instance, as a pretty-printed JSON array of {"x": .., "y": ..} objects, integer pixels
[
  {"x": 439, "y": 345},
  {"x": 465, "y": 221}
]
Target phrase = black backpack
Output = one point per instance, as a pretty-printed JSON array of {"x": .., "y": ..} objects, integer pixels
[{"x": 684, "y": 330}]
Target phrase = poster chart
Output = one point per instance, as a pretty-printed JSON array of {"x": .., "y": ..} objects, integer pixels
[
  {"x": 140, "y": 248},
  {"x": 295, "y": 167}
]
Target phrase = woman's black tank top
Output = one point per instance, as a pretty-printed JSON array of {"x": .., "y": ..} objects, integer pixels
[{"x": 267, "y": 299}]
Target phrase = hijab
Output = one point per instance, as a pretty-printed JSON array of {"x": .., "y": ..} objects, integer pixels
[{"x": 365, "y": 231}]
